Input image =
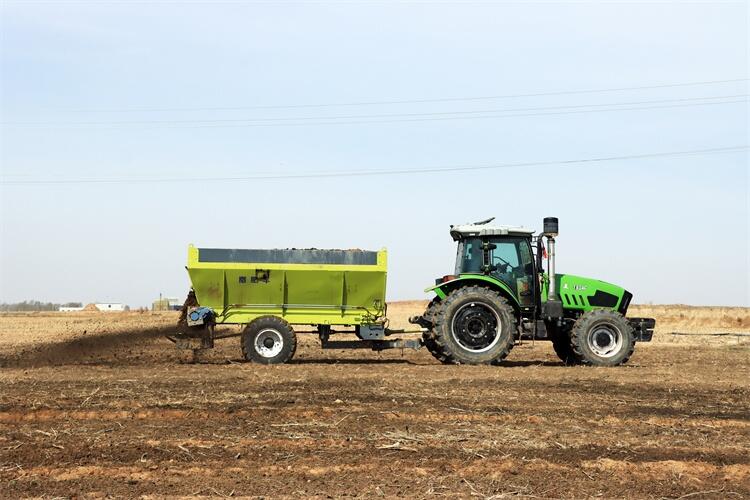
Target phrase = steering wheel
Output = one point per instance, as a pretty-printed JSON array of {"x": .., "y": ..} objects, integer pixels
[{"x": 505, "y": 264}]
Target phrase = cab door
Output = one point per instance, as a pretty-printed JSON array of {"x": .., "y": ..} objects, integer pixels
[{"x": 513, "y": 264}]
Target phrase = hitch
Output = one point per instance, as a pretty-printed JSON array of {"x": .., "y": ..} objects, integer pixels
[
  {"x": 643, "y": 328},
  {"x": 421, "y": 321}
]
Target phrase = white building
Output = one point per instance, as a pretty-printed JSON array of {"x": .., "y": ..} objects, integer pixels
[
  {"x": 110, "y": 307},
  {"x": 69, "y": 309}
]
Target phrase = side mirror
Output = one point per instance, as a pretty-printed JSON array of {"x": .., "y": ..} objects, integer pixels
[{"x": 539, "y": 252}]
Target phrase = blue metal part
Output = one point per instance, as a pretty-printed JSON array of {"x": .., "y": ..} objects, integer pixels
[{"x": 200, "y": 316}]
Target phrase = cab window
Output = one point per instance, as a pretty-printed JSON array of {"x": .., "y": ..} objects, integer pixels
[
  {"x": 470, "y": 257},
  {"x": 505, "y": 255}
]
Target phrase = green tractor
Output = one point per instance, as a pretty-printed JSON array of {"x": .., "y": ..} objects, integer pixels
[{"x": 500, "y": 294}]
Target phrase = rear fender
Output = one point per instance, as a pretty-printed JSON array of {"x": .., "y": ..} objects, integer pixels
[{"x": 443, "y": 289}]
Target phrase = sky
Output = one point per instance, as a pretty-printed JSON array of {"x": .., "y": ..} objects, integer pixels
[{"x": 132, "y": 129}]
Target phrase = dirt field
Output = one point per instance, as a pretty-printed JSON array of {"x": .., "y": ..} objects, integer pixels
[{"x": 97, "y": 404}]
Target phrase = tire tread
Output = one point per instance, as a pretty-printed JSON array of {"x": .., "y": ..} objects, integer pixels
[
  {"x": 581, "y": 327},
  {"x": 447, "y": 354}
]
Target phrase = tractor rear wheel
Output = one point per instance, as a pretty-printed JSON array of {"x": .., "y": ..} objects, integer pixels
[
  {"x": 268, "y": 340},
  {"x": 428, "y": 337},
  {"x": 474, "y": 325},
  {"x": 602, "y": 337}
]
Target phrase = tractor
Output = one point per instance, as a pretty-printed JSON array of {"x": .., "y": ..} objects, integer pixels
[{"x": 500, "y": 294}]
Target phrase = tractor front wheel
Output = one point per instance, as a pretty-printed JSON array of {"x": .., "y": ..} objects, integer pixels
[
  {"x": 560, "y": 337},
  {"x": 602, "y": 337},
  {"x": 473, "y": 325}
]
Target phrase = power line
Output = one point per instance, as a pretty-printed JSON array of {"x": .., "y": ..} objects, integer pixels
[
  {"x": 398, "y": 120},
  {"x": 410, "y": 101},
  {"x": 383, "y": 115},
  {"x": 363, "y": 173}
]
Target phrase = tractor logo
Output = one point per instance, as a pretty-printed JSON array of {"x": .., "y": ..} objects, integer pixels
[{"x": 575, "y": 287}]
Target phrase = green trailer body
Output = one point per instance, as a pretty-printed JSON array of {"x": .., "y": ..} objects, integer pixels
[{"x": 311, "y": 287}]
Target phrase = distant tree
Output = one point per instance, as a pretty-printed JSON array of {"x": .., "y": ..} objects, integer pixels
[{"x": 34, "y": 305}]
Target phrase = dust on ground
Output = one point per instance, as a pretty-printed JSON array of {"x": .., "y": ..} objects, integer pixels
[{"x": 117, "y": 411}]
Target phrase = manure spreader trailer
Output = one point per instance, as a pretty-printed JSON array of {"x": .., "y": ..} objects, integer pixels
[{"x": 498, "y": 294}]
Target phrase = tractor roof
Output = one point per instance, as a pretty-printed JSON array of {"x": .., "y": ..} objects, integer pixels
[{"x": 462, "y": 231}]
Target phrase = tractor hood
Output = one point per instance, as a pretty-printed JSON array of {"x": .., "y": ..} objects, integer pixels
[{"x": 578, "y": 292}]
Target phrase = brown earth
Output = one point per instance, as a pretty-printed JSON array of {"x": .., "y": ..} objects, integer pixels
[{"x": 97, "y": 404}]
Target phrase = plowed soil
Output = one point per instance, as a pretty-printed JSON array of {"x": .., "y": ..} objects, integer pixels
[{"x": 98, "y": 404}]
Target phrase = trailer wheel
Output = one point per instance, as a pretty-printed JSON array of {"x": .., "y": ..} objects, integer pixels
[
  {"x": 602, "y": 337},
  {"x": 268, "y": 340},
  {"x": 428, "y": 337},
  {"x": 474, "y": 325}
]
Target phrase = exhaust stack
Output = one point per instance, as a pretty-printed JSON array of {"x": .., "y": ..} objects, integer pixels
[{"x": 550, "y": 231}]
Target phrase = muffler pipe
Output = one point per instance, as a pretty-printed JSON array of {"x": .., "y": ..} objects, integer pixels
[{"x": 551, "y": 267}]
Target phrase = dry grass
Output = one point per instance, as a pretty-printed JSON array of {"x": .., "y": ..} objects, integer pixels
[{"x": 28, "y": 330}]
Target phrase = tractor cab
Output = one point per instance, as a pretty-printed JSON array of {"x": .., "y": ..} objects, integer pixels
[{"x": 501, "y": 252}]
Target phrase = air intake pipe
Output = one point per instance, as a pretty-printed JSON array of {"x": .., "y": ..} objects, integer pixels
[{"x": 550, "y": 231}]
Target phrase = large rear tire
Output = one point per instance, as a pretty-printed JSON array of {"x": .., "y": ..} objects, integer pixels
[
  {"x": 602, "y": 337},
  {"x": 428, "y": 337},
  {"x": 268, "y": 340},
  {"x": 474, "y": 325}
]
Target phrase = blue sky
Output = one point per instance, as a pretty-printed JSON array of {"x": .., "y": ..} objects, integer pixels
[{"x": 148, "y": 90}]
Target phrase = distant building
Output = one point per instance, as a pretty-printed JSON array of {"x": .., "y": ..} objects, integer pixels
[
  {"x": 69, "y": 309},
  {"x": 110, "y": 307},
  {"x": 166, "y": 304}
]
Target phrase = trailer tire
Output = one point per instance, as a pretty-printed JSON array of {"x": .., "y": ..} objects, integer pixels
[
  {"x": 474, "y": 326},
  {"x": 428, "y": 337},
  {"x": 602, "y": 337},
  {"x": 268, "y": 340}
]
